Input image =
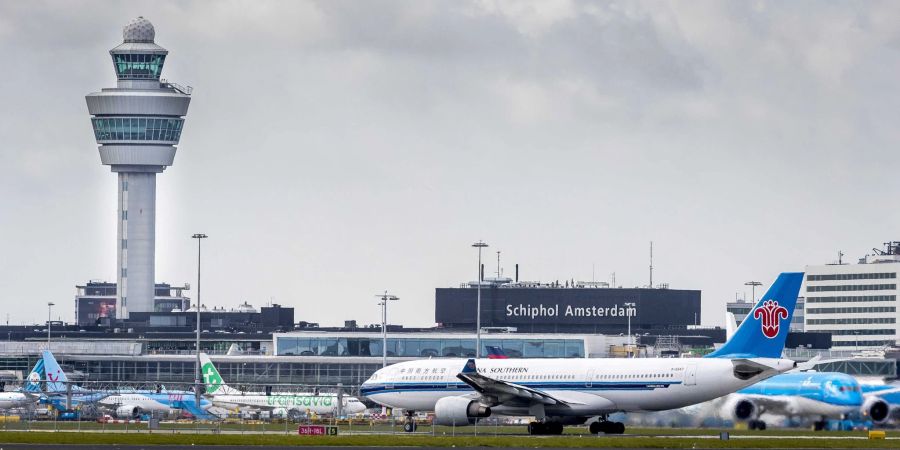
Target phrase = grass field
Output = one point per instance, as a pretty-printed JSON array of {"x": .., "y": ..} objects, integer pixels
[
  {"x": 366, "y": 428},
  {"x": 757, "y": 440}
]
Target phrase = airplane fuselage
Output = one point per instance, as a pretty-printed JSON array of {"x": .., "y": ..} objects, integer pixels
[
  {"x": 587, "y": 386},
  {"x": 317, "y": 404}
]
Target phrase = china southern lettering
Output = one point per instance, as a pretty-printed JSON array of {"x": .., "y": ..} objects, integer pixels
[{"x": 570, "y": 311}]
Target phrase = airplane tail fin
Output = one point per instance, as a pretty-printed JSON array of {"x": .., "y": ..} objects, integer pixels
[
  {"x": 56, "y": 378},
  {"x": 33, "y": 383},
  {"x": 763, "y": 332},
  {"x": 211, "y": 378}
]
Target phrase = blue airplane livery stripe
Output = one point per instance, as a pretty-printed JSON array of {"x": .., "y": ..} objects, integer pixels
[{"x": 581, "y": 386}]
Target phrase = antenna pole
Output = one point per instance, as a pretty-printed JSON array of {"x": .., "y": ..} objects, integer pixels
[{"x": 651, "y": 264}]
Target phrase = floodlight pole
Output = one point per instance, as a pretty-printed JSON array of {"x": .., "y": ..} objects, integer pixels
[
  {"x": 628, "y": 307},
  {"x": 49, "y": 308},
  {"x": 753, "y": 285},
  {"x": 384, "y": 300},
  {"x": 199, "y": 237},
  {"x": 479, "y": 245}
]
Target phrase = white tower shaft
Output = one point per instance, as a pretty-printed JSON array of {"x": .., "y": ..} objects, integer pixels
[{"x": 137, "y": 241}]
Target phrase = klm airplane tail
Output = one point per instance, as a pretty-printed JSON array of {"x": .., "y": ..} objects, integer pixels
[
  {"x": 763, "y": 332},
  {"x": 211, "y": 378},
  {"x": 33, "y": 383}
]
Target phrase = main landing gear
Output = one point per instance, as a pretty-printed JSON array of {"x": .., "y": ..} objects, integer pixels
[
  {"x": 756, "y": 425},
  {"x": 410, "y": 425},
  {"x": 542, "y": 428},
  {"x": 607, "y": 427}
]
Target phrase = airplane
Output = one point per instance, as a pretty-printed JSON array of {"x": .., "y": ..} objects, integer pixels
[
  {"x": 125, "y": 403},
  {"x": 558, "y": 392},
  {"x": 821, "y": 395},
  {"x": 30, "y": 392},
  {"x": 294, "y": 405}
]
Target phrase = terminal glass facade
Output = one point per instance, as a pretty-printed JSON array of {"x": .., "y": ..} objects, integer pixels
[{"x": 427, "y": 347}]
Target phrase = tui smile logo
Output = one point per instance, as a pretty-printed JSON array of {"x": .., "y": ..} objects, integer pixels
[{"x": 770, "y": 314}]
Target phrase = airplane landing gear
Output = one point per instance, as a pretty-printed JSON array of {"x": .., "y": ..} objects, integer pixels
[
  {"x": 607, "y": 427},
  {"x": 756, "y": 425},
  {"x": 541, "y": 428},
  {"x": 410, "y": 425},
  {"x": 819, "y": 425}
]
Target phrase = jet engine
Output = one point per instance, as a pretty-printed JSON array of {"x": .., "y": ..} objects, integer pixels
[
  {"x": 740, "y": 408},
  {"x": 876, "y": 409},
  {"x": 459, "y": 411},
  {"x": 129, "y": 412}
]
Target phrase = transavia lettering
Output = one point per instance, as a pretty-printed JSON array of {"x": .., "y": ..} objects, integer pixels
[
  {"x": 289, "y": 400},
  {"x": 531, "y": 311}
]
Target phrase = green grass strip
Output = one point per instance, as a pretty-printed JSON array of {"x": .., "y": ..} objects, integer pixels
[{"x": 145, "y": 438}]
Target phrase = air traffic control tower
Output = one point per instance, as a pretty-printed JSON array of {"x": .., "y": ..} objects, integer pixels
[{"x": 138, "y": 124}]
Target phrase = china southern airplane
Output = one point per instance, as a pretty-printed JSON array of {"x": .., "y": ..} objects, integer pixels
[
  {"x": 127, "y": 404},
  {"x": 558, "y": 392},
  {"x": 29, "y": 394},
  {"x": 294, "y": 405}
]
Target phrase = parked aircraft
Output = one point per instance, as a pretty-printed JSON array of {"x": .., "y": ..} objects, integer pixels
[
  {"x": 558, "y": 392},
  {"x": 125, "y": 403},
  {"x": 295, "y": 405},
  {"x": 30, "y": 392}
]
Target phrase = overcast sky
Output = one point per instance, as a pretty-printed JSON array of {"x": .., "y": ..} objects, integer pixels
[{"x": 337, "y": 149}]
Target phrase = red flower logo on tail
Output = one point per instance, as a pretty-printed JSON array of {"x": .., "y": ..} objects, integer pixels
[{"x": 770, "y": 314}]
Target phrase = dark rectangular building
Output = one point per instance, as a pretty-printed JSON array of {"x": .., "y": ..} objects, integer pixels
[{"x": 568, "y": 310}]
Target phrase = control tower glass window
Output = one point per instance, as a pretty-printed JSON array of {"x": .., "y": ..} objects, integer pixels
[
  {"x": 136, "y": 66},
  {"x": 137, "y": 129}
]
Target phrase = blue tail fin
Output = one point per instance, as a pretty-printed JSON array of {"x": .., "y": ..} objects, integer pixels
[
  {"x": 33, "y": 383},
  {"x": 764, "y": 330},
  {"x": 56, "y": 378}
]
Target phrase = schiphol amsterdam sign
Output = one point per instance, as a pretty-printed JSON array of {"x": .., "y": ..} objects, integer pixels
[{"x": 542, "y": 311}]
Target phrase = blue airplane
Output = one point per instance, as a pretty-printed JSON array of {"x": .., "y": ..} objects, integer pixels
[
  {"x": 819, "y": 395},
  {"x": 126, "y": 403}
]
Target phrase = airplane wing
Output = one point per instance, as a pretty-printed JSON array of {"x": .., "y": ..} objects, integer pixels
[
  {"x": 504, "y": 392},
  {"x": 772, "y": 404}
]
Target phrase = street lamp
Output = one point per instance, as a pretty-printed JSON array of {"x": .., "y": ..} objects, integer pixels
[
  {"x": 49, "y": 307},
  {"x": 199, "y": 237},
  {"x": 628, "y": 306},
  {"x": 385, "y": 298},
  {"x": 479, "y": 245},
  {"x": 753, "y": 284}
]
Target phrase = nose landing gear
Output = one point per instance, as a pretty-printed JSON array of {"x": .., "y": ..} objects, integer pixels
[{"x": 410, "y": 425}]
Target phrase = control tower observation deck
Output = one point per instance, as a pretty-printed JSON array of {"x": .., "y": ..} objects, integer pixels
[{"x": 137, "y": 124}]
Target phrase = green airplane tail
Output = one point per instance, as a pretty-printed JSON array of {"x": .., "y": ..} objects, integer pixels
[{"x": 211, "y": 378}]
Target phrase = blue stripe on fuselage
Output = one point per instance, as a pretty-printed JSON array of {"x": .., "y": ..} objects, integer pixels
[{"x": 579, "y": 386}]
